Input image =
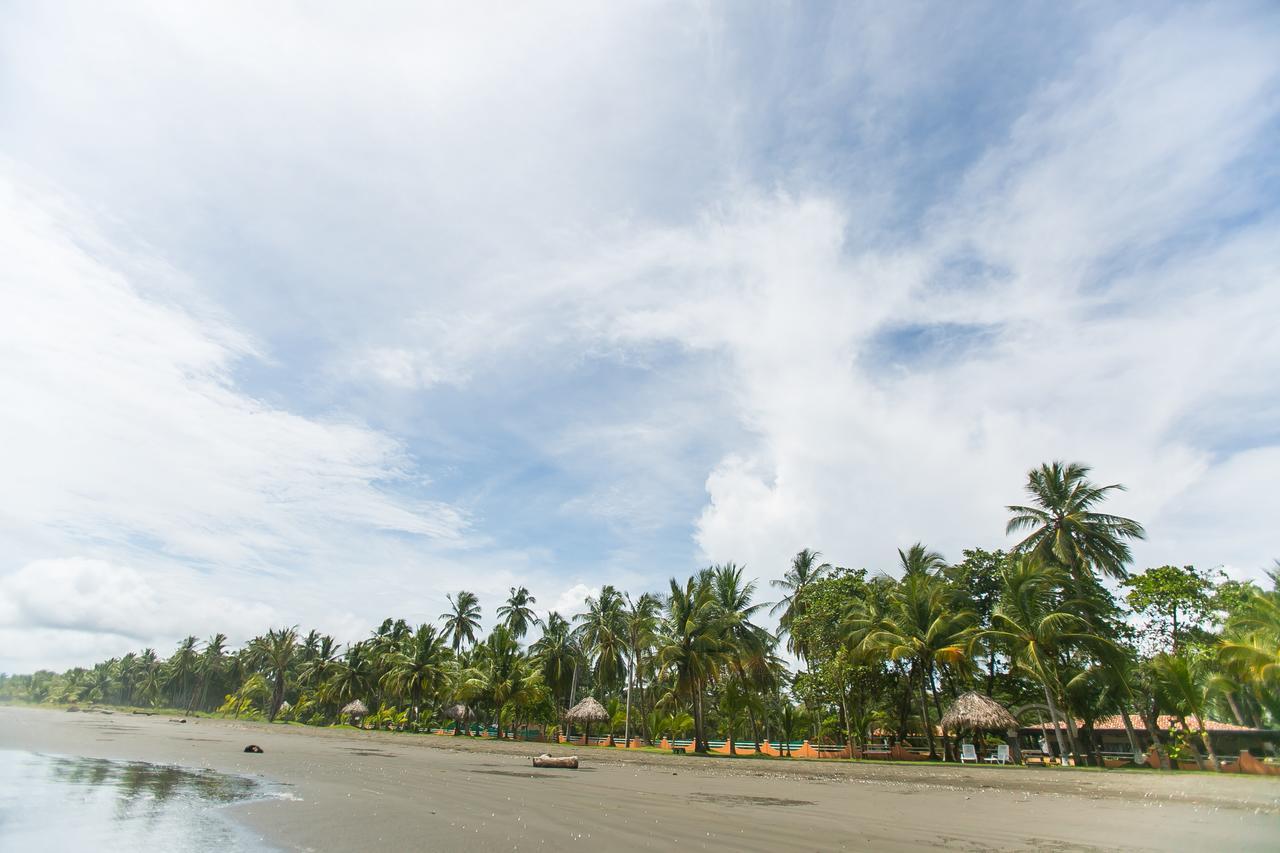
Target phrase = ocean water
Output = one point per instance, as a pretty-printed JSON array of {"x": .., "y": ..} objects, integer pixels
[{"x": 56, "y": 802}]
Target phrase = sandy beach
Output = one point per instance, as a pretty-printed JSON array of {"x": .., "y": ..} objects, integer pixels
[{"x": 360, "y": 790}]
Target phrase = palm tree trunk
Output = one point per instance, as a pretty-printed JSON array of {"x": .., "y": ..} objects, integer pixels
[
  {"x": 1235, "y": 708},
  {"x": 631, "y": 679},
  {"x": 1054, "y": 716},
  {"x": 1153, "y": 731},
  {"x": 928, "y": 727},
  {"x": 1129, "y": 732},
  {"x": 1208, "y": 744},
  {"x": 697, "y": 717},
  {"x": 1186, "y": 731},
  {"x": 755, "y": 728},
  {"x": 937, "y": 706}
]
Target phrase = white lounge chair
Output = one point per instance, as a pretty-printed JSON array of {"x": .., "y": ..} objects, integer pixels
[
  {"x": 968, "y": 753},
  {"x": 1001, "y": 756}
]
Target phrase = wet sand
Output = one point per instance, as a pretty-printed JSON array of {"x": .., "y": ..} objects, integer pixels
[{"x": 361, "y": 790}]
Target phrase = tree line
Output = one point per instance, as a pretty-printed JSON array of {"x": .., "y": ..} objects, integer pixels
[{"x": 1059, "y": 622}]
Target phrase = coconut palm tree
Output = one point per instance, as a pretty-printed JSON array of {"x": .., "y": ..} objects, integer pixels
[
  {"x": 693, "y": 645},
  {"x": 502, "y": 675},
  {"x": 1250, "y": 647},
  {"x": 277, "y": 651},
  {"x": 805, "y": 570},
  {"x": 603, "y": 635},
  {"x": 558, "y": 655},
  {"x": 640, "y": 626},
  {"x": 351, "y": 677},
  {"x": 516, "y": 614},
  {"x": 419, "y": 670},
  {"x": 919, "y": 560},
  {"x": 922, "y": 625},
  {"x": 182, "y": 668},
  {"x": 1186, "y": 689},
  {"x": 750, "y": 646},
  {"x": 1039, "y": 630},
  {"x": 209, "y": 667},
  {"x": 1065, "y": 530},
  {"x": 462, "y": 621}
]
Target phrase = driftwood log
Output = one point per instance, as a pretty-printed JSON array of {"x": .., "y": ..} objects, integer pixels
[{"x": 544, "y": 760}]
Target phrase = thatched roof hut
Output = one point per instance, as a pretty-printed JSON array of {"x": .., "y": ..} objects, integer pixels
[
  {"x": 978, "y": 712},
  {"x": 355, "y": 708},
  {"x": 586, "y": 712},
  {"x": 459, "y": 713}
]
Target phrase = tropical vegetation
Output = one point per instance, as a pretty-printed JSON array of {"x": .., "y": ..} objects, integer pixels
[{"x": 1060, "y": 623}]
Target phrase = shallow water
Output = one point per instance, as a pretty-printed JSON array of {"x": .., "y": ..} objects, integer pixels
[{"x": 59, "y": 802}]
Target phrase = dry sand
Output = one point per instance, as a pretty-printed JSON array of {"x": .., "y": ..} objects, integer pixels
[{"x": 367, "y": 790}]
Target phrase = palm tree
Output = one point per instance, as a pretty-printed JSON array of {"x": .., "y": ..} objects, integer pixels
[
  {"x": 919, "y": 560},
  {"x": 516, "y": 614},
  {"x": 1250, "y": 648},
  {"x": 1186, "y": 689},
  {"x": 1038, "y": 630},
  {"x": 640, "y": 625},
  {"x": 208, "y": 668},
  {"x": 420, "y": 669},
  {"x": 558, "y": 654},
  {"x": 751, "y": 646},
  {"x": 1064, "y": 529},
  {"x": 462, "y": 621},
  {"x": 602, "y": 635},
  {"x": 923, "y": 625},
  {"x": 182, "y": 668},
  {"x": 805, "y": 569},
  {"x": 277, "y": 651},
  {"x": 351, "y": 678},
  {"x": 693, "y": 646},
  {"x": 503, "y": 676}
]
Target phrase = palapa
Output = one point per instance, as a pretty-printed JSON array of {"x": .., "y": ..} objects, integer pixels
[
  {"x": 355, "y": 708},
  {"x": 585, "y": 713},
  {"x": 978, "y": 712}
]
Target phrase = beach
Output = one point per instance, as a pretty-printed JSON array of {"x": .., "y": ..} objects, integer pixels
[{"x": 354, "y": 790}]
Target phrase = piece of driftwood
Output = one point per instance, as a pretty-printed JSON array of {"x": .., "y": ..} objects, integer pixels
[
  {"x": 544, "y": 760},
  {"x": 253, "y": 747}
]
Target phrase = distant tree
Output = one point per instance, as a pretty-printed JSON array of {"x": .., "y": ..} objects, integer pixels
[
  {"x": 516, "y": 614},
  {"x": 462, "y": 620},
  {"x": 919, "y": 560},
  {"x": 1064, "y": 528},
  {"x": 1174, "y": 599}
]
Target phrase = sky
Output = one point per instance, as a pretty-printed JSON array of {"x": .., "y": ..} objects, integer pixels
[{"x": 314, "y": 313}]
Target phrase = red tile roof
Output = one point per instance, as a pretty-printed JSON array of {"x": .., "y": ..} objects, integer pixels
[{"x": 1165, "y": 722}]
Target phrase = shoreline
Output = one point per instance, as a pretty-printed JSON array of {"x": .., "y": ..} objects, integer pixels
[{"x": 356, "y": 788}]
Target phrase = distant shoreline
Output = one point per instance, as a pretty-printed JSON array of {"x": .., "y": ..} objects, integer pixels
[{"x": 355, "y": 789}]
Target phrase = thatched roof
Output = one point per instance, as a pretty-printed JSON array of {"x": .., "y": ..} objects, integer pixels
[
  {"x": 977, "y": 711},
  {"x": 355, "y": 708},
  {"x": 285, "y": 706},
  {"x": 459, "y": 713},
  {"x": 587, "y": 711}
]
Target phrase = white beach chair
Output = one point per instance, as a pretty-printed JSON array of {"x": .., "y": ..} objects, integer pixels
[
  {"x": 1001, "y": 756},
  {"x": 968, "y": 753}
]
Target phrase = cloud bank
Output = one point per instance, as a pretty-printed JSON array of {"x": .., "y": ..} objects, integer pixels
[{"x": 322, "y": 327}]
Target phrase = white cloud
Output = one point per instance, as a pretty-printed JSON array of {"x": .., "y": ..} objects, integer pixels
[
  {"x": 302, "y": 224},
  {"x": 65, "y": 607}
]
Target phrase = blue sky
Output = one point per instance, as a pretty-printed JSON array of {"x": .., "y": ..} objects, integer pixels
[{"x": 314, "y": 316}]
